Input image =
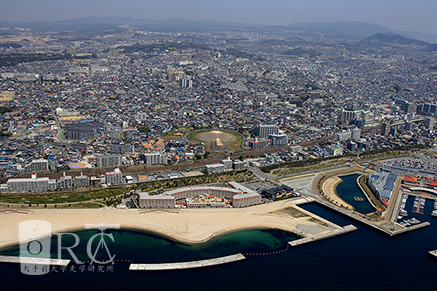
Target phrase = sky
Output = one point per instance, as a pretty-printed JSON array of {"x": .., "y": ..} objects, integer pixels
[{"x": 402, "y": 15}]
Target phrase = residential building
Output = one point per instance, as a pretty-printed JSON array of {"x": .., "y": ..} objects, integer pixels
[
  {"x": 122, "y": 149},
  {"x": 114, "y": 178},
  {"x": 214, "y": 169},
  {"x": 33, "y": 184},
  {"x": 155, "y": 158},
  {"x": 278, "y": 139},
  {"x": 103, "y": 161},
  {"x": 263, "y": 131},
  {"x": 38, "y": 165}
]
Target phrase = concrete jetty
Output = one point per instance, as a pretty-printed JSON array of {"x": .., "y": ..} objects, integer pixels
[
  {"x": 433, "y": 253},
  {"x": 369, "y": 223},
  {"x": 36, "y": 261},
  {"x": 410, "y": 228},
  {"x": 187, "y": 265},
  {"x": 346, "y": 229},
  {"x": 302, "y": 201}
]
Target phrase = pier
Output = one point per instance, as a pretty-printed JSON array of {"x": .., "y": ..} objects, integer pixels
[
  {"x": 333, "y": 233},
  {"x": 187, "y": 265},
  {"x": 36, "y": 261},
  {"x": 433, "y": 253},
  {"x": 368, "y": 223}
]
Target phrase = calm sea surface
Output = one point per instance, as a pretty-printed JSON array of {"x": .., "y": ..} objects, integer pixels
[{"x": 347, "y": 189}]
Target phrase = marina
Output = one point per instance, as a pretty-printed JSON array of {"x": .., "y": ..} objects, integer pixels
[
  {"x": 419, "y": 204},
  {"x": 434, "y": 212},
  {"x": 359, "y": 199}
]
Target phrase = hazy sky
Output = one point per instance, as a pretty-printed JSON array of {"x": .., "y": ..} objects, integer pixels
[{"x": 417, "y": 15}]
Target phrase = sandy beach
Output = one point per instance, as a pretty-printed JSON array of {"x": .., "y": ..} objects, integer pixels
[
  {"x": 186, "y": 225},
  {"x": 329, "y": 189}
]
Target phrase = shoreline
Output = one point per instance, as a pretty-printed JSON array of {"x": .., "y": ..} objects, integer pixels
[
  {"x": 330, "y": 189},
  {"x": 188, "y": 226}
]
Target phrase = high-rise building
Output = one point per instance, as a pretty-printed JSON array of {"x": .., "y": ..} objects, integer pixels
[
  {"x": 279, "y": 139},
  {"x": 352, "y": 146},
  {"x": 227, "y": 163},
  {"x": 409, "y": 107},
  {"x": 115, "y": 134},
  {"x": 186, "y": 83},
  {"x": 103, "y": 161},
  {"x": 114, "y": 178},
  {"x": 65, "y": 182},
  {"x": 356, "y": 134},
  {"x": 81, "y": 130},
  {"x": 155, "y": 158},
  {"x": 122, "y": 149},
  {"x": 429, "y": 123},
  {"x": 264, "y": 130},
  {"x": 37, "y": 166},
  {"x": 215, "y": 169},
  {"x": 238, "y": 165},
  {"x": 343, "y": 136},
  {"x": 385, "y": 129},
  {"x": 81, "y": 181},
  {"x": 25, "y": 185}
]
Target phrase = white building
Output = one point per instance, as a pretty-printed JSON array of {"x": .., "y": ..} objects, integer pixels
[
  {"x": 26, "y": 185},
  {"x": 155, "y": 158}
]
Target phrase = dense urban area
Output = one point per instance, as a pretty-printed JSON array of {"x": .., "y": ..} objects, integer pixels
[{"x": 93, "y": 106}]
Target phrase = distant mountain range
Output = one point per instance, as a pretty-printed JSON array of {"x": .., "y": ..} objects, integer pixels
[
  {"x": 357, "y": 30},
  {"x": 342, "y": 30},
  {"x": 352, "y": 28},
  {"x": 391, "y": 38}
]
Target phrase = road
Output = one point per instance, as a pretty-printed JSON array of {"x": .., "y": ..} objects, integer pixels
[{"x": 60, "y": 133}]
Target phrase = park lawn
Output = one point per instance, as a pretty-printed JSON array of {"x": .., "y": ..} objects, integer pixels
[
  {"x": 62, "y": 197},
  {"x": 236, "y": 145}
]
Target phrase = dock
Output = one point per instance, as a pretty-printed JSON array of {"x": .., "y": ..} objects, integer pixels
[
  {"x": 36, "y": 261},
  {"x": 187, "y": 265},
  {"x": 302, "y": 241}
]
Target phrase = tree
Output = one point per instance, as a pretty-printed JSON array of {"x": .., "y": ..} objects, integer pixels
[{"x": 143, "y": 129}]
